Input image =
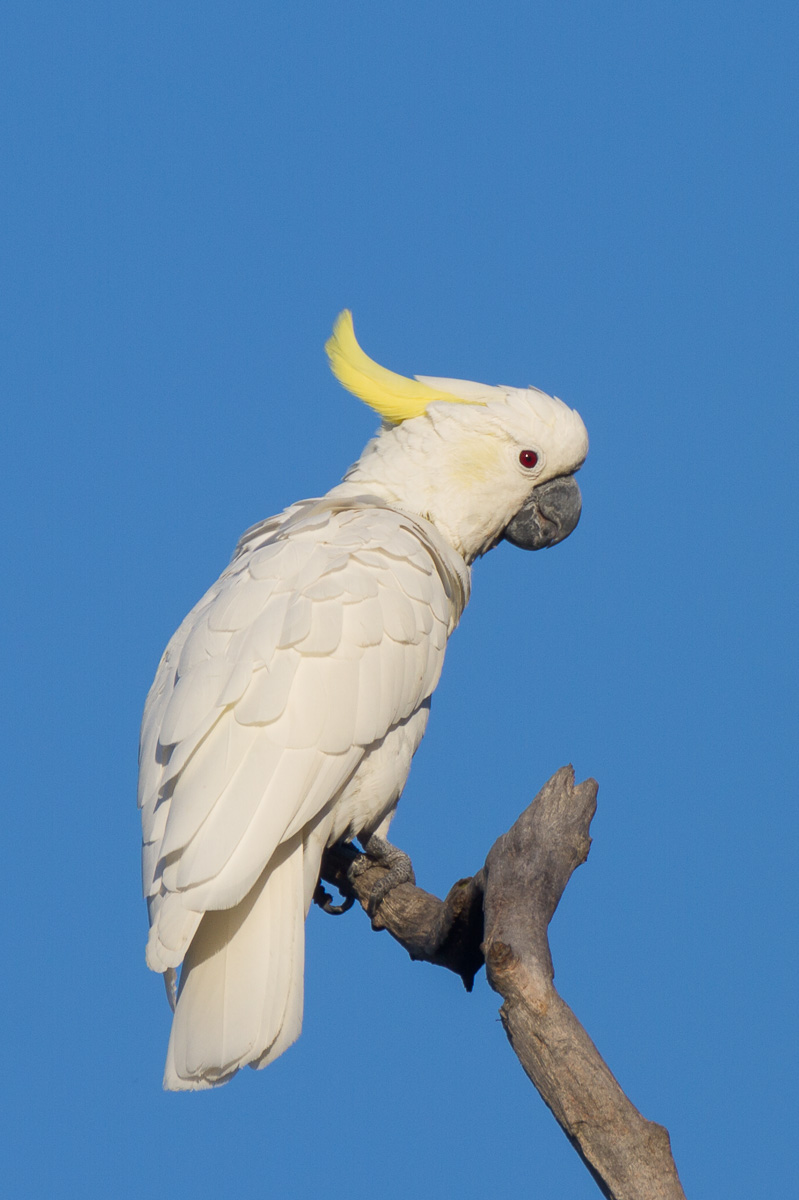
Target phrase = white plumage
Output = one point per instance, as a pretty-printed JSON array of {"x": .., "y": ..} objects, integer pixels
[{"x": 288, "y": 705}]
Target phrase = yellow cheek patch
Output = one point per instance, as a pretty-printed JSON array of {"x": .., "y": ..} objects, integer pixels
[
  {"x": 395, "y": 397},
  {"x": 476, "y": 460}
]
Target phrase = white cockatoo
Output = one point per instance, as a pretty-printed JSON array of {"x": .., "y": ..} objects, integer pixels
[{"x": 288, "y": 706}]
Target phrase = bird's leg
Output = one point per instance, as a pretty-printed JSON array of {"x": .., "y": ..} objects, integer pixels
[{"x": 398, "y": 864}]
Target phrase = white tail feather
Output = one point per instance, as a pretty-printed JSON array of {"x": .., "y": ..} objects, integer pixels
[{"x": 241, "y": 988}]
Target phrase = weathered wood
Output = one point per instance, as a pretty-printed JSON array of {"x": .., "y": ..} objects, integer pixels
[
  {"x": 525, "y": 875},
  {"x": 501, "y": 916},
  {"x": 446, "y": 932}
]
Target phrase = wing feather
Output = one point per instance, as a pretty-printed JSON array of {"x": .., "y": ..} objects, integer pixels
[
  {"x": 399, "y": 619},
  {"x": 232, "y": 814},
  {"x": 320, "y": 784},
  {"x": 341, "y": 681},
  {"x": 241, "y": 603},
  {"x": 363, "y": 622},
  {"x": 327, "y": 630},
  {"x": 360, "y": 585},
  {"x": 280, "y": 560},
  {"x": 415, "y": 581},
  {"x": 206, "y": 776},
  {"x": 371, "y": 693},
  {"x": 297, "y": 624},
  {"x": 201, "y": 644},
  {"x": 268, "y": 692},
  {"x": 268, "y": 627},
  {"x": 195, "y": 695},
  {"x": 324, "y": 634}
]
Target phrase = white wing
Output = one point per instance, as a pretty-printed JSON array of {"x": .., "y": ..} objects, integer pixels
[{"x": 326, "y": 632}]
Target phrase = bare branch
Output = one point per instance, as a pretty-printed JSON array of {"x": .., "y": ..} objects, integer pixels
[
  {"x": 447, "y": 932},
  {"x": 525, "y": 875},
  {"x": 503, "y": 912}
]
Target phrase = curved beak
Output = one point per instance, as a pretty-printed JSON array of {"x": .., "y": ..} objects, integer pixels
[{"x": 549, "y": 515}]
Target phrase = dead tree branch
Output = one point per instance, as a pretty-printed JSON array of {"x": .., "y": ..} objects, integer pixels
[{"x": 500, "y": 917}]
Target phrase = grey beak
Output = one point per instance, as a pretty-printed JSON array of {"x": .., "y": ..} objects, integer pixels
[{"x": 548, "y": 516}]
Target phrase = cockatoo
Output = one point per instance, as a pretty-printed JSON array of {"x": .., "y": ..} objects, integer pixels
[{"x": 288, "y": 705}]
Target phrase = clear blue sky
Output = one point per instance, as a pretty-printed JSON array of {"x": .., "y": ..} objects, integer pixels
[{"x": 599, "y": 199}]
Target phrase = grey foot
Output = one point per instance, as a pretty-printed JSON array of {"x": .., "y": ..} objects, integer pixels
[{"x": 398, "y": 864}]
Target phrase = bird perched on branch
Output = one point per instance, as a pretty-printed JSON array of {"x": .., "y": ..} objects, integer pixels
[{"x": 288, "y": 705}]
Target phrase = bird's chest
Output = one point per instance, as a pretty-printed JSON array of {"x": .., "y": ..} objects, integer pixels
[{"x": 368, "y": 802}]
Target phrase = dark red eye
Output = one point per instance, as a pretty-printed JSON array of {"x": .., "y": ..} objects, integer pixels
[{"x": 528, "y": 458}]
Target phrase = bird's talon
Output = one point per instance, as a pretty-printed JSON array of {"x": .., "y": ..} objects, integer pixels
[
  {"x": 324, "y": 900},
  {"x": 359, "y": 865}
]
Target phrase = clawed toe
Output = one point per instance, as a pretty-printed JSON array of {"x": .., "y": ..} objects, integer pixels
[
  {"x": 324, "y": 900},
  {"x": 398, "y": 864}
]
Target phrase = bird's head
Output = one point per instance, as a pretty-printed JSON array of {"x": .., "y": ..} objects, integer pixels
[{"x": 480, "y": 462}]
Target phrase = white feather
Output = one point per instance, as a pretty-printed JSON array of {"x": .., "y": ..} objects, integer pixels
[
  {"x": 297, "y": 624},
  {"x": 342, "y": 677},
  {"x": 211, "y": 847},
  {"x": 363, "y": 622},
  {"x": 243, "y": 599},
  {"x": 304, "y": 720},
  {"x": 204, "y": 779},
  {"x": 195, "y": 693},
  {"x": 325, "y": 633},
  {"x": 371, "y": 697},
  {"x": 399, "y": 619},
  {"x": 268, "y": 692},
  {"x": 361, "y": 584},
  {"x": 201, "y": 644},
  {"x": 287, "y": 707},
  {"x": 240, "y": 989},
  {"x": 315, "y": 781},
  {"x": 268, "y": 627},
  {"x": 279, "y": 560}
]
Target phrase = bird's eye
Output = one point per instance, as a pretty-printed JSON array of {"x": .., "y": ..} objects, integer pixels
[{"x": 528, "y": 458}]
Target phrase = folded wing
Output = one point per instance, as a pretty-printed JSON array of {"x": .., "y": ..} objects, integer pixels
[{"x": 326, "y": 632}]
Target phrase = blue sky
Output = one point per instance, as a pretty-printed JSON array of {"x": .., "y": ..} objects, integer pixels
[{"x": 599, "y": 199}]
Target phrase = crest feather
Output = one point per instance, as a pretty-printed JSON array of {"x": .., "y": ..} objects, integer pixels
[{"x": 395, "y": 397}]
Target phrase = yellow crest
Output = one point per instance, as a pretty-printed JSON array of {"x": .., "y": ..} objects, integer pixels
[{"x": 394, "y": 396}]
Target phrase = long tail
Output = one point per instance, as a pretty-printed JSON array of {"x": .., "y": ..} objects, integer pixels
[{"x": 241, "y": 988}]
